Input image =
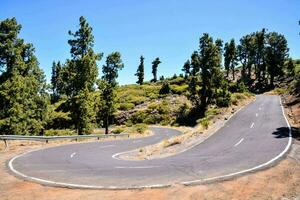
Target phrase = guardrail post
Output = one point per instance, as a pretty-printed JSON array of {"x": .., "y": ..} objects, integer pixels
[{"x": 5, "y": 143}]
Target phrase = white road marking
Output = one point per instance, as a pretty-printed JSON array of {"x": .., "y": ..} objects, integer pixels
[
  {"x": 239, "y": 142},
  {"x": 254, "y": 168},
  {"x": 107, "y": 146},
  {"x": 259, "y": 108},
  {"x": 136, "y": 167},
  {"x": 256, "y": 114},
  {"x": 252, "y": 125},
  {"x": 137, "y": 141},
  {"x": 73, "y": 154},
  {"x": 10, "y": 164}
]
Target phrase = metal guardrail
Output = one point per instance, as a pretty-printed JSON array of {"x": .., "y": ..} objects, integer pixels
[{"x": 5, "y": 138}]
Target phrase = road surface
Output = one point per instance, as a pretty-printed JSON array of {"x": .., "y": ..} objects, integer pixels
[{"x": 253, "y": 138}]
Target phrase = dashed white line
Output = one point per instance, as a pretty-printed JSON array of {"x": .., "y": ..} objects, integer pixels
[
  {"x": 73, "y": 154},
  {"x": 256, "y": 167},
  {"x": 256, "y": 114},
  {"x": 252, "y": 125},
  {"x": 239, "y": 142},
  {"x": 259, "y": 108},
  {"x": 136, "y": 167},
  {"x": 137, "y": 141}
]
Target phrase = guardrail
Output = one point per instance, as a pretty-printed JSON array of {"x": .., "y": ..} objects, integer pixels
[{"x": 5, "y": 138}]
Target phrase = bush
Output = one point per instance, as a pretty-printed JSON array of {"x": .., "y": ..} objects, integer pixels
[
  {"x": 118, "y": 130},
  {"x": 211, "y": 112},
  {"x": 241, "y": 87},
  {"x": 177, "y": 81},
  {"x": 126, "y": 106},
  {"x": 137, "y": 128},
  {"x": 140, "y": 128},
  {"x": 138, "y": 117},
  {"x": 279, "y": 91},
  {"x": 204, "y": 122},
  {"x": 165, "y": 88},
  {"x": 179, "y": 89},
  {"x": 223, "y": 98}
]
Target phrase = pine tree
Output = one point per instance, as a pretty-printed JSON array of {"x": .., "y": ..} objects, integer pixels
[
  {"x": 276, "y": 54},
  {"x": 210, "y": 57},
  {"x": 155, "y": 64},
  {"x": 291, "y": 71},
  {"x": 140, "y": 71},
  {"x": 56, "y": 81},
  {"x": 23, "y": 100},
  {"x": 82, "y": 73},
  {"x": 195, "y": 63},
  {"x": 246, "y": 55},
  {"x": 230, "y": 58},
  {"x": 110, "y": 74},
  {"x": 186, "y": 68},
  {"x": 260, "y": 65}
]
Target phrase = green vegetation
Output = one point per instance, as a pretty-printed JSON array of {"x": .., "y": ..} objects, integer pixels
[
  {"x": 155, "y": 64},
  {"x": 140, "y": 71},
  {"x": 137, "y": 94},
  {"x": 108, "y": 87},
  {"x": 23, "y": 97},
  {"x": 78, "y": 100},
  {"x": 137, "y": 128}
]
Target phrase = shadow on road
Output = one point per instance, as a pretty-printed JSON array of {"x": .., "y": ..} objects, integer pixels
[{"x": 283, "y": 132}]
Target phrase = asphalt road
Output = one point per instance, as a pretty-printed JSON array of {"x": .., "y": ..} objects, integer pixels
[{"x": 252, "y": 139}]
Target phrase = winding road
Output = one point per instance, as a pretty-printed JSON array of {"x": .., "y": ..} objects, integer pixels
[{"x": 254, "y": 138}]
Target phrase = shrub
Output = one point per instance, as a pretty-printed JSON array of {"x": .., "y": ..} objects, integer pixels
[
  {"x": 223, "y": 98},
  {"x": 165, "y": 88},
  {"x": 279, "y": 91},
  {"x": 241, "y": 87},
  {"x": 211, "y": 112},
  {"x": 234, "y": 100},
  {"x": 179, "y": 89},
  {"x": 126, "y": 106},
  {"x": 118, "y": 130},
  {"x": 204, "y": 122},
  {"x": 140, "y": 128},
  {"x": 138, "y": 117},
  {"x": 177, "y": 81}
]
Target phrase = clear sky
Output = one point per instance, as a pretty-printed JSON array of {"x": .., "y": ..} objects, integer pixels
[{"x": 169, "y": 29}]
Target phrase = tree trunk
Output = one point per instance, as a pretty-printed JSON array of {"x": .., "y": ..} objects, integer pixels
[
  {"x": 272, "y": 80},
  {"x": 249, "y": 71},
  {"x": 106, "y": 125}
]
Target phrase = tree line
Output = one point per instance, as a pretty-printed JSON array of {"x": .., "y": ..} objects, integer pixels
[
  {"x": 27, "y": 106},
  {"x": 262, "y": 57}
]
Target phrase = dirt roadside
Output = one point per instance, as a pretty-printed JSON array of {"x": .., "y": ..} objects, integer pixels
[{"x": 279, "y": 182}]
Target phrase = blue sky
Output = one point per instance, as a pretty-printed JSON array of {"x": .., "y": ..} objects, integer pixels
[{"x": 169, "y": 29}]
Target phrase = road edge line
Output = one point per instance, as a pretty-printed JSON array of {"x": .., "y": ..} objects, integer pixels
[
  {"x": 117, "y": 155},
  {"x": 261, "y": 166}
]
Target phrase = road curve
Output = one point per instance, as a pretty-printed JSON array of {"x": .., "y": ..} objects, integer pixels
[{"x": 253, "y": 138}]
